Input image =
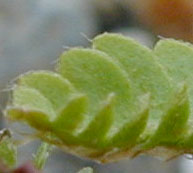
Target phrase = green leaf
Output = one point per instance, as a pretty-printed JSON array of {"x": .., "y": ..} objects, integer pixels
[
  {"x": 51, "y": 85},
  {"x": 146, "y": 75},
  {"x": 70, "y": 118},
  {"x": 117, "y": 99},
  {"x": 172, "y": 128},
  {"x": 95, "y": 133},
  {"x": 127, "y": 135},
  {"x": 28, "y": 104},
  {"x": 29, "y": 98},
  {"x": 96, "y": 75},
  {"x": 72, "y": 114},
  {"x": 176, "y": 57},
  {"x": 8, "y": 151},
  {"x": 42, "y": 155},
  {"x": 35, "y": 118}
]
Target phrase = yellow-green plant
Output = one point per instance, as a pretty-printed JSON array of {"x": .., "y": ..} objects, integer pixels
[
  {"x": 8, "y": 150},
  {"x": 113, "y": 100}
]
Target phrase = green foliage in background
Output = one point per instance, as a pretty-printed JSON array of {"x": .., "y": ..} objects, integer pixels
[
  {"x": 116, "y": 99},
  {"x": 8, "y": 151},
  {"x": 42, "y": 155}
]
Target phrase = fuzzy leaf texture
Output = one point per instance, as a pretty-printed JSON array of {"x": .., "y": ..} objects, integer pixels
[{"x": 114, "y": 100}]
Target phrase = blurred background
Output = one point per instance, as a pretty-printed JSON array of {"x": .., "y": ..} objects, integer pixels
[{"x": 33, "y": 33}]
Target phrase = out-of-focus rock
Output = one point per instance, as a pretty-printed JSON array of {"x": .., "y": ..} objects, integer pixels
[
  {"x": 113, "y": 14},
  {"x": 168, "y": 18}
]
